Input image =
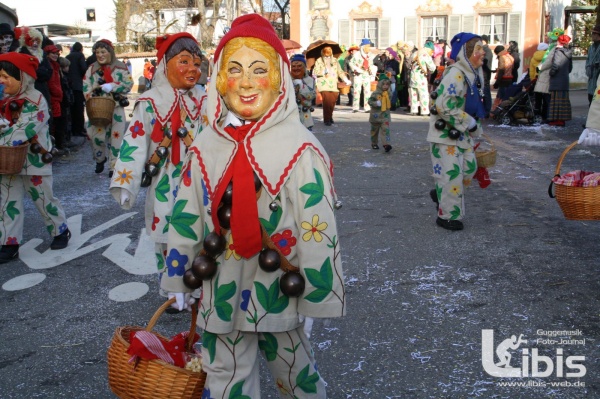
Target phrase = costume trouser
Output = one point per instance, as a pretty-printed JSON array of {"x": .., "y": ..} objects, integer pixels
[
  {"x": 359, "y": 82},
  {"x": 12, "y": 193},
  {"x": 329, "y": 99},
  {"x": 232, "y": 365},
  {"x": 106, "y": 141},
  {"x": 77, "y": 113},
  {"x": 453, "y": 170},
  {"x": 380, "y": 129},
  {"x": 419, "y": 96}
]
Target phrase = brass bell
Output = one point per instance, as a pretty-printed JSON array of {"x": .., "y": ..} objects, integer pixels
[
  {"x": 292, "y": 284},
  {"x": 269, "y": 260},
  {"x": 35, "y": 148},
  {"x": 182, "y": 132},
  {"x": 454, "y": 134},
  {"x": 190, "y": 280},
  {"x": 433, "y": 95},
  {"x": 162, "y": 152},
  {"x": 151, "y": 169},
  {"x": 433, "y": 110},
  {"x": 273, "y": 206},
  {"x": 167, "y": 133},
  {"x": 214, "y": 244},
  {"x": 204, "y": 267},
  {"x": 228, "y": 194},
  {"x": 224, "y": 215},
  {"x": 146, "y": 180},
  {"x": 13, "y": 106},
  {"x": 46, "y": 157}
]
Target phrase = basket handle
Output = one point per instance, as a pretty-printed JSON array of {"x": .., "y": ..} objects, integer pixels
[
  {"x": 485, "y": 136},
  {"x": 161, "y": 310},
  {"x": 562, "y": 157}
]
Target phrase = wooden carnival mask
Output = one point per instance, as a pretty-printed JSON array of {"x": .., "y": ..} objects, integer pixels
[{"x": 183, "y": 70}]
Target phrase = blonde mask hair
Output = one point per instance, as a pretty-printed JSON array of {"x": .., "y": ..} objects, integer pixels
[{"x": 255, "y": 44}]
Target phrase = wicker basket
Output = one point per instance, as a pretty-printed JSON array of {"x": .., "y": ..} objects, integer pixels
[
  {"x": 373, "y": 86},
  {"x": 577, "y": 203},
  {"x": 12, "y": 159},
  {"x": 343, "y": 88},
  {"x": 151, "y": 378},
  {"x": 100, "y": 110},
  {"x": 486, "y": 158}
]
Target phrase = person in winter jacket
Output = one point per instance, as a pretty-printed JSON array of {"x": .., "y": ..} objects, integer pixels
[
  {"x": 304, "y": 87},
  {"x": 107, "y": 77},
  {"x": 452, "y": 126},
  {"x": 24, "y": 120},
  {"x": 513, "y": 50},
  {"x": 380, "y": 116},
  {"x": 56, "y": 96},
  {"x": 77, "y": 68},
  {"x": 560, "y": 65},
  {"x": 254, "y": 224}
]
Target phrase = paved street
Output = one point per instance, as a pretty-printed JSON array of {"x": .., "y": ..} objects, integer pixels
[{"x": 419, "y": 297}]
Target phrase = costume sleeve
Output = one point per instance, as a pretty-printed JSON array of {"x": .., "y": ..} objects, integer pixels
[
  {"x": 307, "y": 90},
  {"x": 310, "y": 192},
  {"x": 135, "y": 152},
  {"x": 429, "y": 64},
  {"x": 187, "y": 226},
  {"x": 88, "y": 83},
  {"x": 123, "y": 79},
  {"x": 450, "y": 101},
  {"x": 376, "y": 95},
  {"x": 319, "y": 69}
]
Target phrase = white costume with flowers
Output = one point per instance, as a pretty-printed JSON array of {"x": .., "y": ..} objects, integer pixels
[
  {"x": 363, "y": 71},
  {"x": 35, "y": 178},
  {"x": 106, "y": 141},
  {"x": 152, "y": 114},
  {"x": 242, "y": 306}
]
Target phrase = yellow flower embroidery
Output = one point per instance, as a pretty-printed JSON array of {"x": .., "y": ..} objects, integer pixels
[
  {"x": 459, "y": 76},
  {"x": 451, "y": 150},
  {"x": 231, "y": 249},
  {"x": 455, "y": 190},
  {"x": 123, "y": 177},
  {"x": 313, "y": 229}
]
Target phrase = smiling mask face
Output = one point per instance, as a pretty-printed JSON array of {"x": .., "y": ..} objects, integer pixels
[{"x": 183, "y": 70}]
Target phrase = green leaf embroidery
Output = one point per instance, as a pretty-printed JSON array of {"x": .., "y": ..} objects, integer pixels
[
  {"x": 162, "y": 189},
  {"x": 307, "y": 382},
  {"x": 471, "y": 167},
  {"x": 182, "y": 221},
  {"x": 51, "y": 209},
  {"x": 50, "y": 228},
  {"x": 160, "y": 262},
  {"x": 322, "y": 280},
  {"x": 314, "y": 190},
  {"x": 35, "y": 160},
  {"x": 149, "y": 109},
  {"x": 117, "y": 117},
  {"x": 209, "y": 341},
  {"x": 271, "y": 224},
  {"x": 269, "y": 346},
  {"x": 177, "y": 172},
  {"x": 454, "y": 173},
  {"x": 224, "y": 293},
  {"x": 435, "y": 151},
  {"x": 35, "y": 195},
  {"x": 270, "y": 299},
  {"x": 126, "y": 151},
  {"x": 30, "y": 131},
  {"x": 455, "y": 213},
  {"x": 114, "y": 151},
  {"x": 98, "y": 142},
  {"x": 292, "y": 350},
  {"x": 11, "y": 210},
  {"x": 236, "y": 391}
]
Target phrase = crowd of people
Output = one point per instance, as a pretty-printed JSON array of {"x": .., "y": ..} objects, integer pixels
[{"x": 241, "y": 203}]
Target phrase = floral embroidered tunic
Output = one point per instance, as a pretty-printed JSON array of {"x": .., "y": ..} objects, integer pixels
[{"x": 296, "y": 175}]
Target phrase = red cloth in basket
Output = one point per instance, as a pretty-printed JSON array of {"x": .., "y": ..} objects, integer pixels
[{"x": 148, "y": 346}]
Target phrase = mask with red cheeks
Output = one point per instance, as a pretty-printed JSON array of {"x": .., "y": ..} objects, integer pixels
[
  {"x": 298, "y": 69},
  {"x": 327, "y": 52},
  {"x": 183, "y": 70}
]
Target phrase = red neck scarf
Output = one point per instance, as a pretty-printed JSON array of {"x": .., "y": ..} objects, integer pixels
[
  {"x": 245, "y": 226},
  {"x": 365, "y": 64},
  {"x": 175, "y": 125},
  {"x": 107, "y": 74}
]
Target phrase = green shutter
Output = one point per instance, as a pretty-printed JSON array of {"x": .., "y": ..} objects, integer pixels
[
  {"x": 344, "y": 32},
  {"x": 383, "y": 40},
  {"x": 410, "y": 29}
]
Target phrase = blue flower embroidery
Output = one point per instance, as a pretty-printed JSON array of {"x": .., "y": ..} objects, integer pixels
[
  {"x": 245, "y": 300},
  {"x": 437, "y": 169},
  {"x": 452, "y": 89},
  {"x": 175, "y": 192},
  {"x": 17, "y": 142},
  {"x": 206, "y": 394},
  {"x": 176, "y": 263},
  {"x": 204, "y": 190},
  {"x": 62, "y": 228}
]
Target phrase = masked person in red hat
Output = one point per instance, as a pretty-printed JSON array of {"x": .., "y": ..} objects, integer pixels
[
  {"x": 24, "y": 120},
  {"x": 165, "y": 120},
  {"x": 107, "y": 77},
  {"x": 455, "y": 119},
  {"x": 256, "y": 200}
]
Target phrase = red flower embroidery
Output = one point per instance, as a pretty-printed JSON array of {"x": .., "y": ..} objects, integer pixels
[
  {"x": 284, "y": 241},
  {"x": 12, "y": 241},
  {"x": 137, "y": 129},
  {"x": 40, "y": 116},
  {"x": 36, "y": 180},
  {"x": 186, "y": 175},
  {"x": 154, "y": 221}
]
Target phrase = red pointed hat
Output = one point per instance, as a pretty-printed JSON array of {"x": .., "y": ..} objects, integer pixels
[
  {"x": 106, "y": 41},
  {"x": 25, "y": 62},
  {"x": 253, "y": 25},
  {"x": 163, "y": 42}
]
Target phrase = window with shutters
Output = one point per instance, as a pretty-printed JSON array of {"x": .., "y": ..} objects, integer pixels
[
  {"x": 434, "y": 28},
  {"x": 366, "y": 28},
  {"x": 495, "y": 26}
]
